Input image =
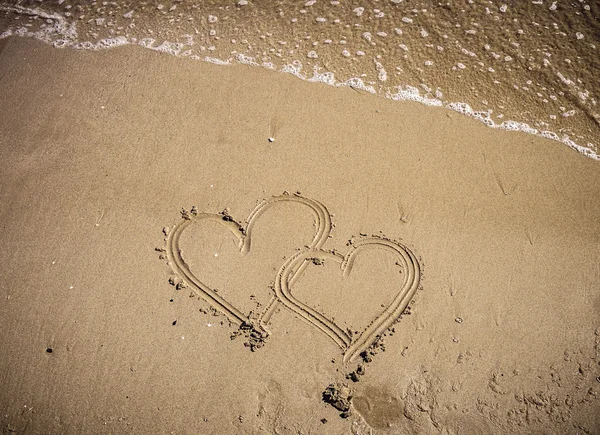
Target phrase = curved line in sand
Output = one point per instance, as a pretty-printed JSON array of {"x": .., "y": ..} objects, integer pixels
[
  {"x": 283, "y": 292},
  {"x": 323, "y": 229},
  {"x": 320, "y": 213},
  {"x": 179, "y": 266},
  {"x": 412, "y": 278},
  {"x": 351, "y": 348}
]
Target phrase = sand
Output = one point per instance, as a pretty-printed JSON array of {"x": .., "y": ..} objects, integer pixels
[
  {"x": 527, "y": 66},
  {"x": 492, "y": 236}
]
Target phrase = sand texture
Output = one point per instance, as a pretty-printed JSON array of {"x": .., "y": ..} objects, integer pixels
[{"x": 191, "y": 248}]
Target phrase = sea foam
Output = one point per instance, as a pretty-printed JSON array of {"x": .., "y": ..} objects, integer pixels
[{"x": 57, "y": 30}]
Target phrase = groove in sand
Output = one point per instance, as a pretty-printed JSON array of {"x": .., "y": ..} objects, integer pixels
[
  {"x": 244, "y": 236},
  {"x": 288, "y": 274}
]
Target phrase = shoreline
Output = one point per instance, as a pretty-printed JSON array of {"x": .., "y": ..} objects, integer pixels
[{"x": 63, "y": 30}]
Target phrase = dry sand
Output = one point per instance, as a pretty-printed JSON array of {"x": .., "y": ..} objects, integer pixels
[{"x": 100, "y": 152}]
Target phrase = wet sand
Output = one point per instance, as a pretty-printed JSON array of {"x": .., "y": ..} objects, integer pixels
[
  {"x": 101, "y": 151},
  {"x": 526, "y": 66}
]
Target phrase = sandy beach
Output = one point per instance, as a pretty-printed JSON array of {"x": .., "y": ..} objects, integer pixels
[{"x": 133, "y": 302}]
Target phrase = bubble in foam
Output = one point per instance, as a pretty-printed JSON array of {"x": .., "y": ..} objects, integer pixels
[
  {"x": 217, "y": 61},
  {"x": 246, "y": 60},
  {"x": 381, "y": 73},
  {"x": 172, "y": 48},
  {"x": 102, "y": 44},
  {"x": 410, "y": 93},
  {"x": 56, "y": 31},
  {"x": 358, "y": 83}
]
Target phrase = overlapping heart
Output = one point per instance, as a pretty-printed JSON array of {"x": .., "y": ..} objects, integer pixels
[
  {"x": 292, "y": 270},
  {"x": 243, "y": 234},
  {"x": 352, "y": 347}
]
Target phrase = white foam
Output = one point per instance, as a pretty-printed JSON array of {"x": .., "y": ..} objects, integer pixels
[
  {"x": 358, "y": 83},
  {"x": 102, "y": 44},
  {"x": 381, "y": 72},
  {"x": 410, "y": 93},
  {"x": 485, "y": 117},
  {"x": 294, "y": 69},
  {"x": 172, "y": 48},
  {"x": 217, "y": 61},
  {"x": 55, "y": 31},
  {"x": 59, "y": 33},
  {"x": 247, "y": 60},
  {"x": 33, "y": 12},
  {"x": 327, "y": 77}
]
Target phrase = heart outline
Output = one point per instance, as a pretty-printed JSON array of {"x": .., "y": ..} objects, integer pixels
[
  {"x": 289, "y": 273},
  {"x": 244, "y": 238}
]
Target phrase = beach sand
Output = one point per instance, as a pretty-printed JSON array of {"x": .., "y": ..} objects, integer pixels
[{"x": 101, "y": 151}]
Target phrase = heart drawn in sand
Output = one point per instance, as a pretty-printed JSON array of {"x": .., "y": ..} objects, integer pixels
[
  {"x": 292, "y": 270},
  {"x": 243, "y": 234},
  {"x": 352, "y": 347}
]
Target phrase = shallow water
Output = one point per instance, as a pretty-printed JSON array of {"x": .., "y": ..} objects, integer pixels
[{"x": 525, "y": 66}]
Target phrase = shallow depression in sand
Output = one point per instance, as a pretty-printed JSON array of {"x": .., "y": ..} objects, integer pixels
[{"x": 356, "y": 299}]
